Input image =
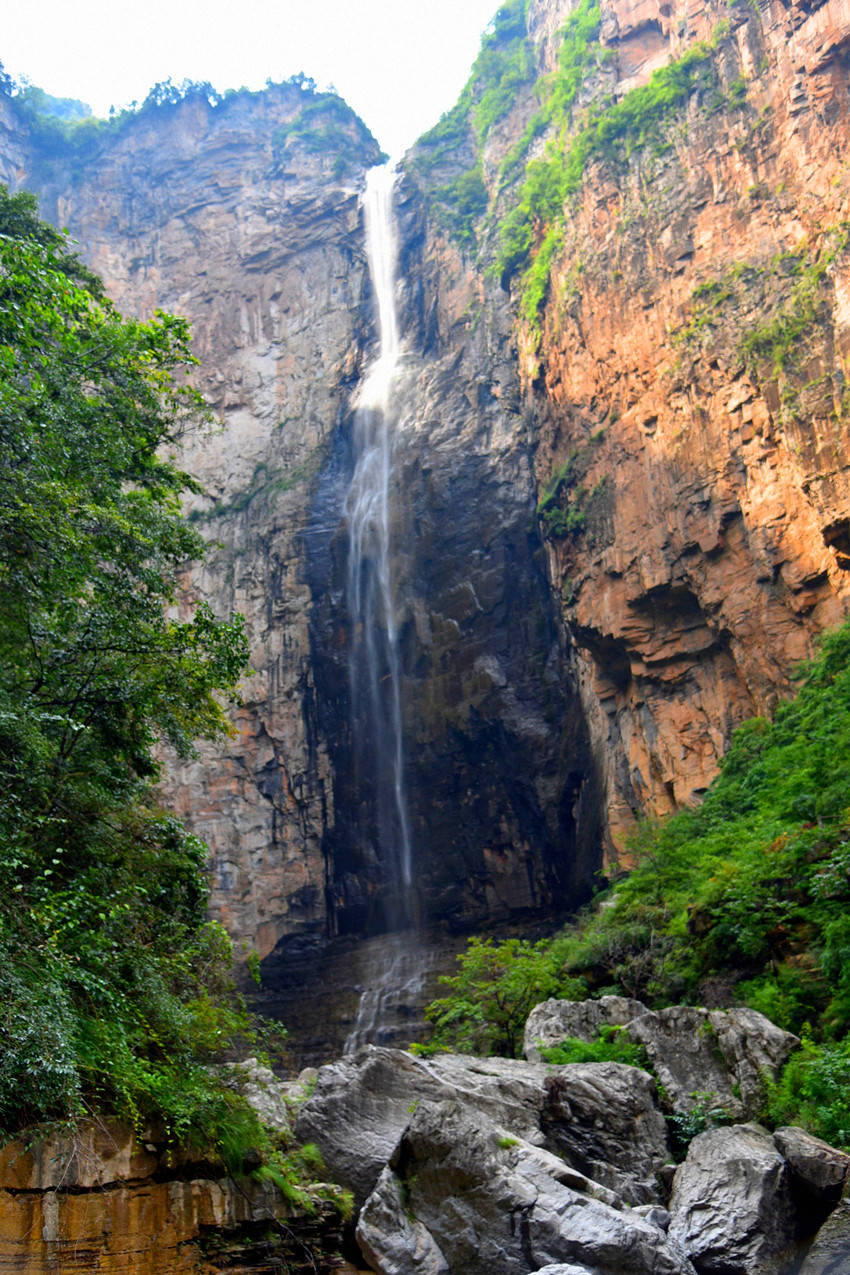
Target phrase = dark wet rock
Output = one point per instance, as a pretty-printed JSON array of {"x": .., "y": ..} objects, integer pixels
[{"x": 830, "y": 1252}]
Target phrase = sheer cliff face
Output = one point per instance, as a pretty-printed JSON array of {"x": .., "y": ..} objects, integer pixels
[
  {"x": 216, "y": 215},
  {"x": 688, "y": 381},
  {"x": 230, "y": 216},
  {"x": 503, "y": 805},
  {"x": 614, "y": 528}
]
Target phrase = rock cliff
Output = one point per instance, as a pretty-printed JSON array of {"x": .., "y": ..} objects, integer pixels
[
  {"x": 244, "y": 215},
  {"x": 683, "y": 360},
  {"x": 708, "y": 339},
  {"x": 619, "y": 503},
  {"x": 232, "y": 217},
  {"x": 105, "y": 1201}
]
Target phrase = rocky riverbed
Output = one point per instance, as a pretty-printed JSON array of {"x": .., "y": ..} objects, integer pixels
[{"x": 469, "y": 1166}]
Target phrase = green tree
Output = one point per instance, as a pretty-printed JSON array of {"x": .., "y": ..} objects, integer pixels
[
  {"x": 114, "y": 988},
  {"x": 489, "y": 999}
]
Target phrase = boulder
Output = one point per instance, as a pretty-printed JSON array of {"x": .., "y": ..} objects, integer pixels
[
  {"x": 391, "y": 1241},
  {"x": 358, "y": 1111},
  {"x": 560, "y": 1269},
  {"x": 731, "y": 1208},
  {"x": 496, "y": 1206},
  {"x": 657, "y": 1216},
  {"x": 262, "y": 1090},
  {"x": 601, "y": 1118},
  {"x": 716, "y": 1056},
  {"x": 719, "y": 1056},
  {"x": 753, "y": 1049},
  {"x": 813, "y": 1163},
  {"x": 554, "y": 1020}
]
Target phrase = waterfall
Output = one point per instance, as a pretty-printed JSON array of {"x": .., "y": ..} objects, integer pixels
[
  {"x": 374, "y": 669},
  {"x": 391, "y": 978}
]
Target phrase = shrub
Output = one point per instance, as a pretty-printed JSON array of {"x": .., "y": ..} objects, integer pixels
[{"x": 611, "y": 1045}]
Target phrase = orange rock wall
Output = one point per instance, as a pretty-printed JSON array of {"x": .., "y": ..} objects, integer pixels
[
  {"x": 103, "y": 1202},
  {"x": 715, "y": 485}
]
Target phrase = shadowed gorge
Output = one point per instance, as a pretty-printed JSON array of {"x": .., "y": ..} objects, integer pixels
[
  {"x": 527, "y": 467},
  {"x": 610, "y": 523}
]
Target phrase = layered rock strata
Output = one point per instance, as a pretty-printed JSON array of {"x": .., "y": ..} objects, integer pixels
[
  {"x": 221, "y": 214},
  {"x": 104, "y": 1201},
  {"x": 689, "y": 382}
]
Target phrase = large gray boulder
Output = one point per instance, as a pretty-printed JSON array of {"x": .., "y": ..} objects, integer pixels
[
  {"x": 721, "y": 1057},
  {"x": 602, "y": 1118},
  {"x": 497, "y": 1206},
  {"x": 358, "y": 1111},
  {"x": 391, "y": 1240},
  {"x": 814, "y": 1164},
  {"x": 731, "y": 1208},
  {"x": 554, "y": 1020}
]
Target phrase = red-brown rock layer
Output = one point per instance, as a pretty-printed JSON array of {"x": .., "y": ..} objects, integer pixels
[
  {"x": 105, "y": 1202},
  {"x": 714, "y": 482}
]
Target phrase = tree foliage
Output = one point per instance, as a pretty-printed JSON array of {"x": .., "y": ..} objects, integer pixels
[{"x": 114, "y": 989}]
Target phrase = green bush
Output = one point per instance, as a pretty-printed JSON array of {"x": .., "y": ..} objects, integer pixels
[
  {"x": 491, "y": 996},
  {"x": 611, "y": 1045},
  {"x": 504, "y": 64},
  {"x": 814, "y": 1091},
  {"x": 611, "y": 131},
  {"x": 684, "y": 1126},
  {"x": 326, "y": 125}
]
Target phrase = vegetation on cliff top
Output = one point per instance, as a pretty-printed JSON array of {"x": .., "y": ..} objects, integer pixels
[
  {"x": 65, "y": 128},
  {"x": 742, "y": 900},
  {"x": 116, "y": 992},
  {"x": 609, "y": 130},
  {"x": 327, "y": 125},
  {"x": 504, "y": 64}
]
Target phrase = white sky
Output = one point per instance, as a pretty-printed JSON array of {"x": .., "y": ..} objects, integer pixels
[{"x": 399, "y": 63}]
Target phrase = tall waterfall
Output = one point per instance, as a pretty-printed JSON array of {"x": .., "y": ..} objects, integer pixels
[{"x": 374, "y": 670}]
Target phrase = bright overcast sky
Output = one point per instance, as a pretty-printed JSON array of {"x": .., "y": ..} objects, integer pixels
[{"x": 399, "y": 63}]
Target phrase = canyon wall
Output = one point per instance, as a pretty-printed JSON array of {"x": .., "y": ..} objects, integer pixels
[
  {"x": 228, "y": 217},
  {"x": 244, "y": 215},
  {"x": 105, "y": 1200},
  {"x": 618, "y": 516},
  {"x": 687, "y": 377}
]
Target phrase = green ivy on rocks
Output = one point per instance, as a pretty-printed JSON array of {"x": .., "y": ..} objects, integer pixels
[
  {"x": 504, "y": 64},
  {"x": 610, "y": 130}
]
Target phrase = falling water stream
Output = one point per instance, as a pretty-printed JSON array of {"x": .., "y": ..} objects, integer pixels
[{"x": 374, "y": 668}]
